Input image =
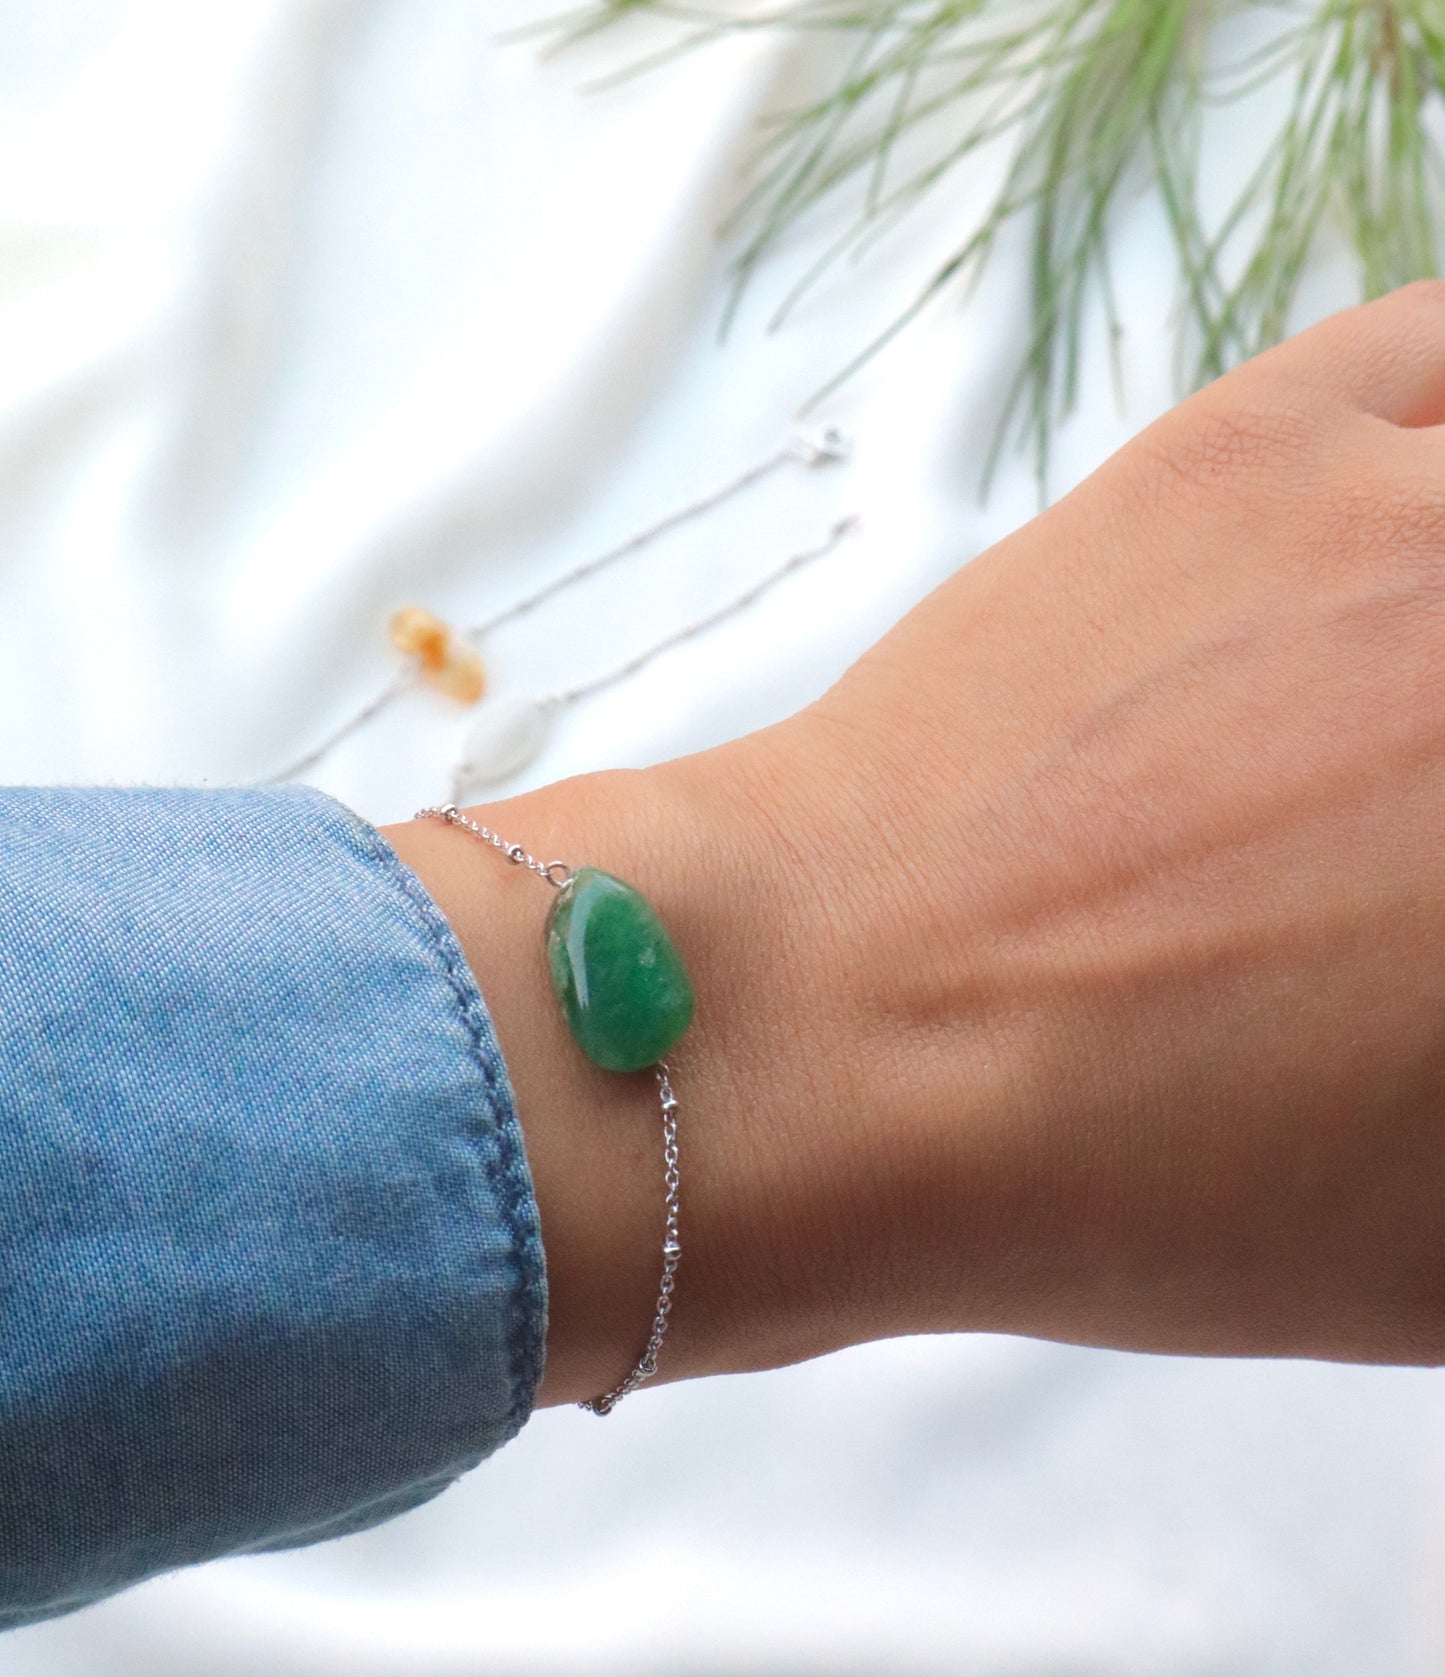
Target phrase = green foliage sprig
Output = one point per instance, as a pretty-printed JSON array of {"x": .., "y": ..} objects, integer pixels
[{"x": 1090, "y": 99}]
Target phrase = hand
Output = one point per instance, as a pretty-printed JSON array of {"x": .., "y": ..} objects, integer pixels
[{"x": 1075, "y": 966}]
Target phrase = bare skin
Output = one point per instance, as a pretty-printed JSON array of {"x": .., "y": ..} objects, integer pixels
[{"x": 1075, "y": 966}]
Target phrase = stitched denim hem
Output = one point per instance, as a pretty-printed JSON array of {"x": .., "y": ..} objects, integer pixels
[{"x": 502, "y": 1144}]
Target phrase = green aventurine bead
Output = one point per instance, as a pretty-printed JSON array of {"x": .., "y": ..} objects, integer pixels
[{"x": 623, "y": 988}]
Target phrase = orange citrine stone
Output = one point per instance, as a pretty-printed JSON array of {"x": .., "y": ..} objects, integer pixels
[
  {"x": 421, "y": 635},
  {"x": 460, "y": 675},
  {"x": 450, "y": 665}
]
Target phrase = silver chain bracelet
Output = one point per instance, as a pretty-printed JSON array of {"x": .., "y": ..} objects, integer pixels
[{"x": 622, "y": 1023}]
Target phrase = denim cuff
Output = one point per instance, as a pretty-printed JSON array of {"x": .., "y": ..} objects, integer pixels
[{"x": 271, "y": 1267}]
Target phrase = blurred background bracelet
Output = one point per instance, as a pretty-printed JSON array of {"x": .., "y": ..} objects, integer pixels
[{"x": 627, "y": 999}]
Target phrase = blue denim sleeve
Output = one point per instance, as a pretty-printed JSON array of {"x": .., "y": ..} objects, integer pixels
[{"x": 270, "y": 1260}]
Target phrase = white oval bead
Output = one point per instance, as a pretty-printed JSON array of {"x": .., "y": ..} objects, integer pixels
[{"x": 507, "y": 734}]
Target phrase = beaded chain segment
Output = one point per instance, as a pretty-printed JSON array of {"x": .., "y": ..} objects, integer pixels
[{"x": 627, "y": 999}]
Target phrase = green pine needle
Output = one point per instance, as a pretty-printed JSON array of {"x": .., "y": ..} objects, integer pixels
[{"x": 1091, "y": 101}]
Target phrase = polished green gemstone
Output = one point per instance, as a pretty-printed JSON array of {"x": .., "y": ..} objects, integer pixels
[{"x": 617, "y": 973}]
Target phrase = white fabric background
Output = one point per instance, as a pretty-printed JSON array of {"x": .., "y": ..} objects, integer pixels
[{"x": 312, "y": 307}]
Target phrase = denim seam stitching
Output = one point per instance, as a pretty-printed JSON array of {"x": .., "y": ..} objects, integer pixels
[{"x": 504, "y": 1158}]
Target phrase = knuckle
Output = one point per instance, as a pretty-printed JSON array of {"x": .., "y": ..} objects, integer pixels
[
  {"x": 1418, "y": 296},
  {"x": 1391, "y": 521},
  {"x": 1394, "y": 343},
  {"x": 1226, "y": 441},
  {"x": 1380, "y": 332}
]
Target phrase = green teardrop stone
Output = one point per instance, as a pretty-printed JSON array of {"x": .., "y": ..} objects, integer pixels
[{"x": 621, "y": 983}]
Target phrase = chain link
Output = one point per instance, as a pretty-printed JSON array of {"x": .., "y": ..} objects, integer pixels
[
  {"x": 513, "y": 852},
  {"x": 646, "y": 1365}
]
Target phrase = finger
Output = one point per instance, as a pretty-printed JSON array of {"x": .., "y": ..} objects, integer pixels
[{"x": 1385, "y": 357}]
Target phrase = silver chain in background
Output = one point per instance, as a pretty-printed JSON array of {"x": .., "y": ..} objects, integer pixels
[{"x": 810, "y": 449}]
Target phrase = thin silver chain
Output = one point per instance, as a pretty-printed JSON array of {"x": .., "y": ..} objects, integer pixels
[
  {"x": 553, "y": 703},
  {"x": 807, "y": 448},
  {"x": 513, "y": 852},
  {"x": 843, "y": 528},
  {"x": 406, "y": 678},
  {"x": 819, "y": 448},
  {"x": 646, "y": 1365}
]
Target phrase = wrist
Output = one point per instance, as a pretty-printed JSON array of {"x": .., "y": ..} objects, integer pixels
[
  {"x": 840, "y": 1180},
  {"x": 593, "y": 1137}
]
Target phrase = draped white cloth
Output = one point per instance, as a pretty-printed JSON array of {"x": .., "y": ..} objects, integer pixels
[{"x": 309, "y": 308}]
